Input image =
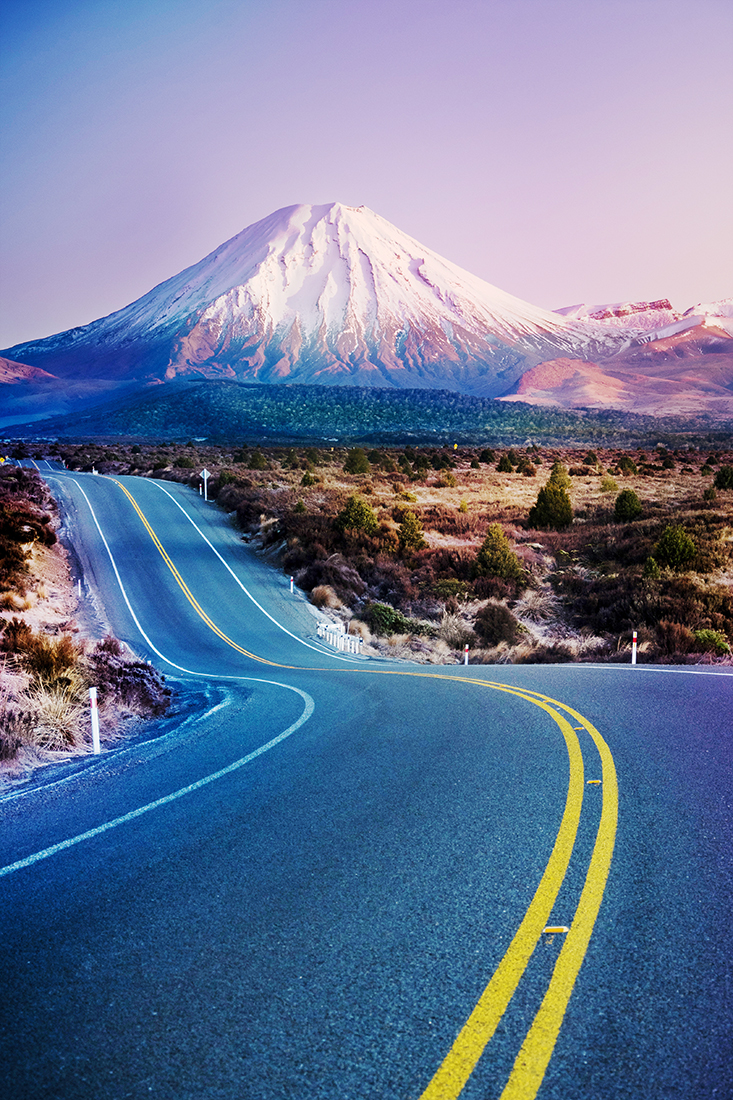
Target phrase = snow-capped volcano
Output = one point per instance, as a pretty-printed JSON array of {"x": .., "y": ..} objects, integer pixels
[{"x": 326, "y": 294}]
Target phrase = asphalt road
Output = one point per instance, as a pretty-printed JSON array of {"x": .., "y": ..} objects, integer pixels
[{"x": 321, "y": 867}]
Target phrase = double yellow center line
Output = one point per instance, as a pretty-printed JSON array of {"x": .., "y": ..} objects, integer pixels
[{"x": 536, "y": 1050}]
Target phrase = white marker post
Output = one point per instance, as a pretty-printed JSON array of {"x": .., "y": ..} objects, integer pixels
[
  {"x": 633, "y": 648},
  {"x": 205, "y": 475},
  {"x": 465, "y": 654},
  {"x": 96, "y": 748},
  {"x": 291, "y": 584}
]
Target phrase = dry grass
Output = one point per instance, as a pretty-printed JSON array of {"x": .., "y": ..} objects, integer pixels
[{"x": 324, "y": 596}]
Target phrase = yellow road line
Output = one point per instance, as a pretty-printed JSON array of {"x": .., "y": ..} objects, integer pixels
[
  {"x": 187, "y": 591},
  {"x": 461, "y": 1059},
  {"x": 536, "y": 1051},
  {"x": 534, "y": 1056}
]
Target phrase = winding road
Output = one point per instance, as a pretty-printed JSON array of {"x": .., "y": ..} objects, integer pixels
[{"x": 333, "y": 877}]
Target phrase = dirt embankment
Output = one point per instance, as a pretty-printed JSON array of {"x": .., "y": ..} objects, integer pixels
[{"x": 51, "y": 651}]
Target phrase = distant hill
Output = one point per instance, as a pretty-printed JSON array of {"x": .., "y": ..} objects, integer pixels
[{"x": 226, "y": 411}]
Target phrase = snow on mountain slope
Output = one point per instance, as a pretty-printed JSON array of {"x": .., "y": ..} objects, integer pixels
[
  {"x": 633, "y": 318},
  {"x": 323, "y": 294}
]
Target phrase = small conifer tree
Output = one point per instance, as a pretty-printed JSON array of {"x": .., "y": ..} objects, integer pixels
[
  {"x": 552, "y": 508},
  {"x": 496, "y": 557}
]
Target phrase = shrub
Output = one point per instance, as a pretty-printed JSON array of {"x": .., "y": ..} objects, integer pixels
[
  {"x": 384, "y": 619},
  {"x": 552, "y": 508},
  {"x": 724, "y": 478},
  {"x": 609, "y": 484},
  {"x": 675, "y": 548},
  {"x": 627, "y": 465},
  {"x": 410, "y": 534},
  {"x": 559, "y": 475},
  {"x": 357, "y": 515},
  {"x": 710, "y": 495},
  {"x": 627, "y": 507},
  {"x": 185, "y": 463},
  {"x": 257, "y": 461},
  {"x": 591, "y": 459},
  {"x": 299, "y": 508},
  {"x": 450, "y": 589},
  {"x": 487, "y": 456},
  {"x": 307, "y": 480},
  {"x": 496, "y": 557},
  {"x": 504, "y": 466},
  {"x": 652, "y": 571},
  {"x": 495, "y": 623},
  {"x": 711, "y": 641},
  {"x": 357, "y": 461},
  {"x": 674, "y": 637}
]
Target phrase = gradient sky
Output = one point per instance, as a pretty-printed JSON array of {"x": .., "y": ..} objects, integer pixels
[{"x": 563, "y": 150}]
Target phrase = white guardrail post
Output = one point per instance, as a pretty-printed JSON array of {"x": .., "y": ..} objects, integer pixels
[{"x": 335, "y": 634}]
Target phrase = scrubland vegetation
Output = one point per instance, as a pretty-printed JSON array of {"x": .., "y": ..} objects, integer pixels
[
  {"x": 46, "y": 667},
  {"x": 525, "y": 555}
]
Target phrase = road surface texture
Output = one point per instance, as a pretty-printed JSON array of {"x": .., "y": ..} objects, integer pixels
[{"x": 329, "y": 878}]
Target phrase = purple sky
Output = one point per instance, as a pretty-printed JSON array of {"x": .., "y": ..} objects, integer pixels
[{"x": 563, "y": 150}]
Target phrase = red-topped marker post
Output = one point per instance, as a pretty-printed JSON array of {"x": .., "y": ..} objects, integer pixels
[{"x": 633, "y": 648}]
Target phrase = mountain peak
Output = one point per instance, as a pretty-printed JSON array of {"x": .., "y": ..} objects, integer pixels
[{"x": 326, "y": 294}]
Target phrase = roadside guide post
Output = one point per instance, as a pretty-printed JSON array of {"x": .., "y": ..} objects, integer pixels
[
  {"x": 291, "y": 584},
  {"x": 633, "y": 649},
  {"x": 465, "y": 654},
  {"x": 96, "y": 748},
  {"x": 205, "y": 475}
]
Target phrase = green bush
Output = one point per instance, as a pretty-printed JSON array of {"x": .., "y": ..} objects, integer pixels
[
  {"x": 675, "y": 548},
  {"x": 384, "y": 619},
  {"x": 185, "y": 463},
  {"x": 609, "y": 484},
  {"x": 504, "y": 465},
  {"x": 559, "y": 475},
  {"x": 487, "y": 456},
  {"x": 496, "y": 557},
  {"x": 357, "y": 515},
  {"x": 257, "y": 461},
  {"x": 627, "y": 507},
  {"x": 591, "y": 459},
  {"x": 724, "y": 478},
  {"x": 627, "y": 465},
  {"x": 410, "y": 533},
  {"x": 710, "y": 495},
  {"x": 307, "y": 479},
  {"x": 357, "y": 461},
  {"x": 652, "y": 572},
  {"x": 552, "y": 508},
  {"x": 711, "y": 641}
]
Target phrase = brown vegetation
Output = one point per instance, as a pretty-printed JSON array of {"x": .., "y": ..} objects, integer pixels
[{"x": 575, "y": 591}]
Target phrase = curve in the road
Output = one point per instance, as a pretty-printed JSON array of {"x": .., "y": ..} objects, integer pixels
[{"x": 458, "y": 1065}]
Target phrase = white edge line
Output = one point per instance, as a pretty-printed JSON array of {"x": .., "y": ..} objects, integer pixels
[
  {"x": 63, "y": 844},
  {"x": 247, "y": 593}
]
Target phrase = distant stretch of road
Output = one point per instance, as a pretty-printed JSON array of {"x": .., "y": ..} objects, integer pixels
[{"x": 331, "y": 877}]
